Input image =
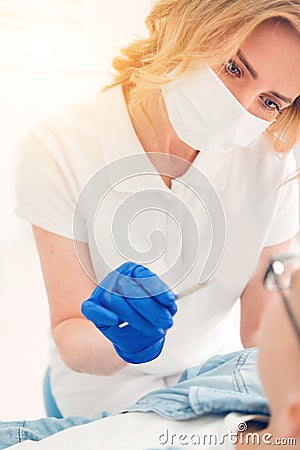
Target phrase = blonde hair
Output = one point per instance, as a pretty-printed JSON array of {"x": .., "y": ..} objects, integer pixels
[{"x": 190, "y": 33}]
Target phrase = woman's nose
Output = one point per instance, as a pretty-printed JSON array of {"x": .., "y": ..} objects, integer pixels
[
  {"x": 248, "y": 95},
  {"x": 250, "y": 101},
  {"x": 247, "y": 98}
]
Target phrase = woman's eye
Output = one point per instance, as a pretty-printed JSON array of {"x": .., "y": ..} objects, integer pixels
[
  {"x": 232, "y": 69},
  {"x": 270, "y": 105}
]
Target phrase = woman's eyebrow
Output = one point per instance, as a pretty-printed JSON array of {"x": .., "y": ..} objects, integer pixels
[
  {"x": 282, "y": 97},
  {"x": 254, "y": 74},
  {"x": 247, "y": 64}
]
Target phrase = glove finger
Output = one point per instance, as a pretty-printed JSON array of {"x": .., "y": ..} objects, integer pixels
[
  {"x": 130, "y": 289},
  {"x": 120, "y": 306},
  {"x": 142, "y": 284},
  {"x": 96, "y": 294},
  {"x": 154, "y": 285},
  {"x": 124, "y": 281},
  {"x": 157, "y": 314},
  {"x": 99, "y": 315},
  {"x": 127, "y": 268},
  {"x": 122, "y": 273},
  {"x": 110, "y": 281}
]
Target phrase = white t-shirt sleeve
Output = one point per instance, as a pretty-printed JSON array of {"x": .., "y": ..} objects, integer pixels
[
  {"x": 285, "y": 224},
  {"x": 46, "y": 187}
]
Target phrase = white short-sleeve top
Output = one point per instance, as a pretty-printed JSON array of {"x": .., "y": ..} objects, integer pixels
[{"x": 59, "y": 158}]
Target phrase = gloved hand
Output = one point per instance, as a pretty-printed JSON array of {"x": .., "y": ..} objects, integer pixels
[{"x": 132, "y": 294}]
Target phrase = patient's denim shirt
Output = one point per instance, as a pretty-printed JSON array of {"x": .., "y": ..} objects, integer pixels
[{"x": 223, "y": 384}]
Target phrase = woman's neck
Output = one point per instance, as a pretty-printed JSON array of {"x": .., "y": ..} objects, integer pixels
[
  {"x": 156, "y": 135},
  {"x": 154, "y": 130}
]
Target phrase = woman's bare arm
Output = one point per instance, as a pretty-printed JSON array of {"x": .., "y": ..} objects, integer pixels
[{"x": 81, "y": 346}]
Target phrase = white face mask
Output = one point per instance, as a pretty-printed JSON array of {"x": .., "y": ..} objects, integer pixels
[{"x": 207, "y": 116}]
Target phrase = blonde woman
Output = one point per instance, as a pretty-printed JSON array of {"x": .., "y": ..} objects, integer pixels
[{"x": 214, "y": 88}]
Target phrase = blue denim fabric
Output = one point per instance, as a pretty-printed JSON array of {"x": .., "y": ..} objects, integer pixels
[
  {"x": 223, "y": 384},
  {"x": 34, "y": 430}
]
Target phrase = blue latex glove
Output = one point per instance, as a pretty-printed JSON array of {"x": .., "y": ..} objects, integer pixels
[{"x": 132, "y": 294}]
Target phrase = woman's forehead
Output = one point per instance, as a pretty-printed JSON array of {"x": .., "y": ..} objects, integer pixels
[{"x": 273, "y": 50}]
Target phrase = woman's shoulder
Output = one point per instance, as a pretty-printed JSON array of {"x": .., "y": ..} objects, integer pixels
[
  {"x": 264, "y": 149},
  {"x": 73, "y": 137},
  {"x": 71, "y": 128},
  {"x": 56, "y": 158},
  {"x": 263, "y": 159}
]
